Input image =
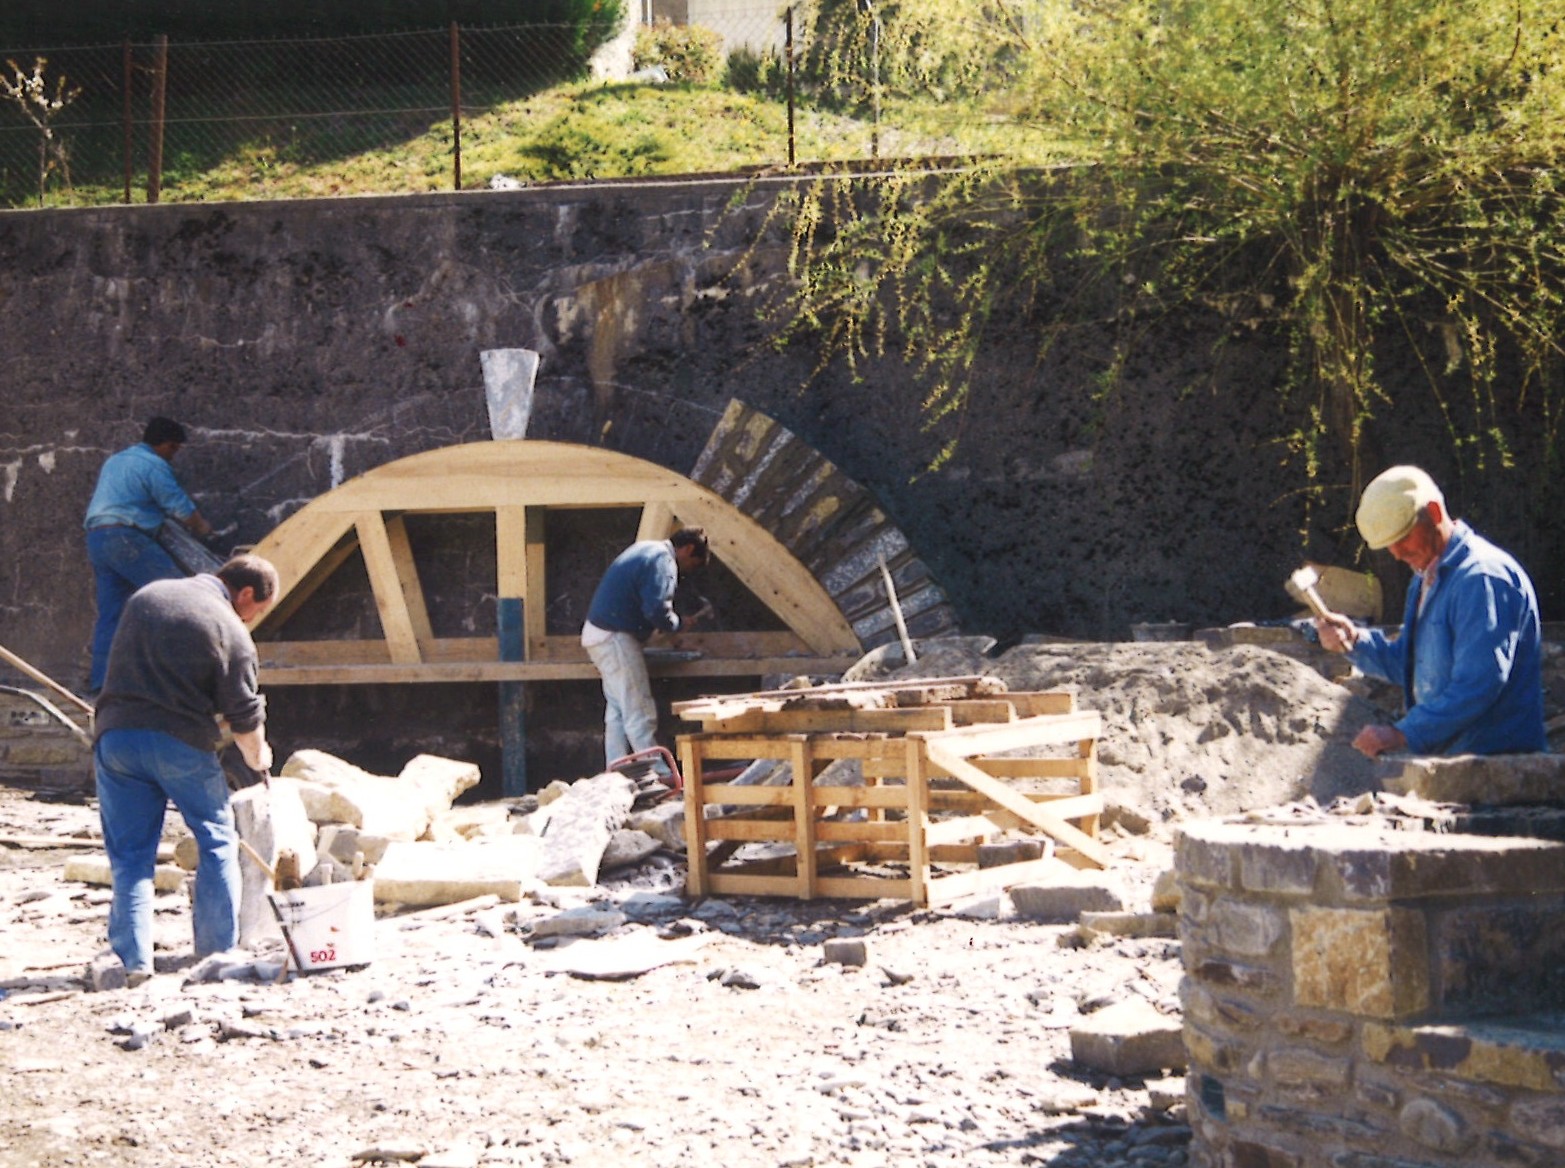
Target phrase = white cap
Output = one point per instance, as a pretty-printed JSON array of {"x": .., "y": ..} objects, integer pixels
[{"x": 1392, "y": 503}]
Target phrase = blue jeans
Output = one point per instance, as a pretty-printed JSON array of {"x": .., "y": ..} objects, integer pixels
[
  {"x": 123, "y": 559},
  {"x": 138, "y": 772},
  {"x": 630, "y": 716}
]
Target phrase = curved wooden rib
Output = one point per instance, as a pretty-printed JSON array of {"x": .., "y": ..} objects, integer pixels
[{"x": 518, "y": 481}]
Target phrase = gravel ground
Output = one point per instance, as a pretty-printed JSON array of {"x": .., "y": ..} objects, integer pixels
[{"x": 463, "y": 1043}]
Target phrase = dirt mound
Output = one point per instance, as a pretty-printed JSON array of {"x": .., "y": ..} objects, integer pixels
[{"x": 1188, "y": 731}]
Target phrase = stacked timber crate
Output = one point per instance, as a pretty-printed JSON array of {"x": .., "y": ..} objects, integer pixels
[{"x": 886, "y": 790}]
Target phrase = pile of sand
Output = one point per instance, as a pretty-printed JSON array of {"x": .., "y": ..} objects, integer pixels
[{"x": 1188, "y": 731}]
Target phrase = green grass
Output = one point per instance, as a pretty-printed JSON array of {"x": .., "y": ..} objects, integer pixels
[{"x": 575, "y": 132}]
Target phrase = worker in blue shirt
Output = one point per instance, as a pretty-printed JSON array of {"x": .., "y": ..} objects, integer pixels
[
  {"x": 634, "y": 599},
  {"x": 1469, "y": 656},
  {"x": 136, "y": 491}
]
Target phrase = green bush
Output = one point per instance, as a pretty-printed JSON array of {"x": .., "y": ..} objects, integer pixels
[
  {"x": 686, "y": 52},
  {"x": 751, "y": 72}
]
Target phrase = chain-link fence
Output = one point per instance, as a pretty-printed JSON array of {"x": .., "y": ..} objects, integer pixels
[{"x": 404, "y": 111}]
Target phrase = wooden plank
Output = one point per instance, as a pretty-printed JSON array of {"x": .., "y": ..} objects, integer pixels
[
  {"x": 738, "y": 645},
  {"x": 657, "y": 522},
  {"x": 950, "y": 831},
  {"x": 306, "y": 549},
  {"x": 973, "y": 710},
  {"x": 1065, "y": 806},
  {"x": 399, "y": 621},
  {"x": 1043, "y": 730},
  {"x": 854, "y": 797},
  {"x": 882, "y": 750},
  {"x": 497, "y": 670},
  {"x": 1031, "y": 703},
  {"x": 945, "y": 889},
  {"x": 510, "y": 541},
  {"x": 728, "y": 794},
  {"x": 917, "y": 822},
  {"x": 535, "y": 617},
  {"x": 487, "y": 475},
  {"x": 751, "y": 830},
  {"x": 929, "y": 718},
  {"x": 1023, "y": 808},
  {"x": 883, "y": 832},
  {"x": 691, "y": 760},
  {"x": 1032, "y": 768},
  {"x": 837, "y": 688},
  {"x": 866, "y": 888},
  {"x": 285, "y": 654},
  {"x": 1088, "y": 749},
  {"x": 803, "y": 767},
  {"x": 725, "y": 884}
]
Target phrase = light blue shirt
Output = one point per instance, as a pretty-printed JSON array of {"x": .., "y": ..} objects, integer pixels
[
  {"x": 137, "y": 487},
  {"x": 1477, "y": 680}
]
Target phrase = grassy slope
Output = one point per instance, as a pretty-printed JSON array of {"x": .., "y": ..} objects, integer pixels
[{"x": 590, "y": 130}]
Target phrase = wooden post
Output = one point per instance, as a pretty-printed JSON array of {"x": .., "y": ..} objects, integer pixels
[
  {"x": 691, "y": 763},
  {"x": 130, "y": 140},
  {"x": 456, "y": 107},
  {"x": 159, "y": 96}
]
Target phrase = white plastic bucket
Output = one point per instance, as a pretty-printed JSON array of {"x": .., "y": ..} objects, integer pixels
[{"x": 329, "y": 925}]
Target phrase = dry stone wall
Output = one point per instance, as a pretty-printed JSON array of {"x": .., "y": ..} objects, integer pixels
[{"x": 1362, "y": 997}]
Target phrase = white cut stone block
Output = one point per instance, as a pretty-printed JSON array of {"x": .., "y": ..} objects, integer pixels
[{"x": 426, "y": 873}]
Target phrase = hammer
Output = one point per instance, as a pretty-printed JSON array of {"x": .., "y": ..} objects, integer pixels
[{"x": 1304, "y": 581}]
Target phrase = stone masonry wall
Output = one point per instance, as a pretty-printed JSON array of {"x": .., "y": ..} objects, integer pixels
[
  {"x": 305, "y": 342},
  {"x": 1361, "y": 997}
]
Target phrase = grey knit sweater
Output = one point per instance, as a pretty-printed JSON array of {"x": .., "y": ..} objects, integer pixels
[{"x": 181, "y": 655}]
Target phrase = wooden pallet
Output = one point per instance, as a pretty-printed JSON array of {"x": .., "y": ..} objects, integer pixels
[{"x": 943, "y": 772}]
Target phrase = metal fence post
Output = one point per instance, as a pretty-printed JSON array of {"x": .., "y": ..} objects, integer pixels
[
  {"x": 130, "y": 140},
  {"x": 159, "y": 95},
  {"x": 788, "y": 54},
  {"x": 456, "y": 107}
]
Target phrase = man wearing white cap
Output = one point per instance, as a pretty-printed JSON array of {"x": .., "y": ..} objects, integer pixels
[{"x": 1469, "y": 657}]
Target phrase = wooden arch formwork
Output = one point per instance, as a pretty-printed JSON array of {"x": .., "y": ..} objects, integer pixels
[{"x": 518, "y": 482}]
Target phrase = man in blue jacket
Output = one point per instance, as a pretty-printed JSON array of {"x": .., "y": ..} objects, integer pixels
[
  {"x": 1469, "y": 656},
  {"x": 136, "y": 491},
  {"x": 635, "y": 599}
]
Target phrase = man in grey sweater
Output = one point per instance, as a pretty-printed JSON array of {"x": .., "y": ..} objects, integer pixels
[{"x": 181, "y": 658}]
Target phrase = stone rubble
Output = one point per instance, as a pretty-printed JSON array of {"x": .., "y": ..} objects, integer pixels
[{"x": 617, "y": 1022}]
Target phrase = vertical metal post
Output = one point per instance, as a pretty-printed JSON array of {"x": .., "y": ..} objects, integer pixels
[
  {"x": 511, "y": 630},
  {"x": 874, "y": 48},
  {"x": 456, "y": 107},
  {"x": 159, "y": 97},
  {"x": 788, "y": 56},
  {"x": 130, "y": 141}
]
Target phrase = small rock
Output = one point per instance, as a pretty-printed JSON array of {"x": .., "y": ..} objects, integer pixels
[
  {"x": 845, "y": 951},
  {"x": 740, "y": 979}
]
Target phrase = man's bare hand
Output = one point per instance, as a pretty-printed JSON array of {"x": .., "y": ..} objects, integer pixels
[
  {"x": 1338, "y": 633},
  {"x": 1373, "y": 741}
]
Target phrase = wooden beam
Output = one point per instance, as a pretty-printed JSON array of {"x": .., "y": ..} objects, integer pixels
[
  {"x": 535, "y": 587},
  {"x": 457, "y": 671},
  {"x": 657, "y": 522},
  {"x": 398, "y": 598},
  {"x": 770, "y": 571},
  {"x": 1043, "y": 730},
  {"x": 306, "y": 549},
  {"x": 1035, "y": 814}
]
